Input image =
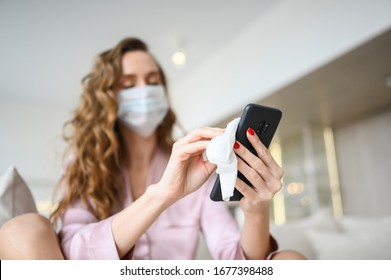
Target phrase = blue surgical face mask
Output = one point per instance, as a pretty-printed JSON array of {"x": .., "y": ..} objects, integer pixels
[{"x": 142, "y": 109}]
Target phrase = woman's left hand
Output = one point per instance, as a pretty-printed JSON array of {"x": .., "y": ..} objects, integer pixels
[{"x": 261, "y": 171}]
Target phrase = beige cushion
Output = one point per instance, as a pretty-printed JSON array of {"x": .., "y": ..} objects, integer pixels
[{"x": 15, "y": 196}]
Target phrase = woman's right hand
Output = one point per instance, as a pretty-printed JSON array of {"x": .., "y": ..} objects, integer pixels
[{"x": 186, "y": 170}]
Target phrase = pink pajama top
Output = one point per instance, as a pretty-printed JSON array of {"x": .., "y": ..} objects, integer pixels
[{"x": 174, "y": 235}]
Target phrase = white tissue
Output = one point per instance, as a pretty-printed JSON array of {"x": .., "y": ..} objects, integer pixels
[{"x": 220, "y": 152}]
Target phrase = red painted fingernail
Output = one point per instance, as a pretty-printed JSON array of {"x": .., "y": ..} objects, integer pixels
[
  {"x": 236, "y": 145},
  {"x": 251, "y": 131}
]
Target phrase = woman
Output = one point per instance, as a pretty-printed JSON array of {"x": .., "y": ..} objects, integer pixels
[{"x": 129, "y": 192}]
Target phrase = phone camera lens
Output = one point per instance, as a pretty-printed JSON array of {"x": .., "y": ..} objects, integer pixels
[
  {"x": 265, "y": 127},
  {"x": 260, "y": 127}
]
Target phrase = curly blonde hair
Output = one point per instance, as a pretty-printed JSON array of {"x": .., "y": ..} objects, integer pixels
[{"x": 93, "y": 176}]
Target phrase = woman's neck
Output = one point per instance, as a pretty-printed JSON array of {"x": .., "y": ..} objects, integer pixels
[{"x": 138, "y": 150}]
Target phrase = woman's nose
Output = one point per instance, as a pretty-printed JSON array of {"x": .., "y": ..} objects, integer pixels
[{"x": 141, "y": 83}]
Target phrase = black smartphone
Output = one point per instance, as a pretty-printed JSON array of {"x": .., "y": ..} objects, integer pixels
[{"x": 264, "y": 121}]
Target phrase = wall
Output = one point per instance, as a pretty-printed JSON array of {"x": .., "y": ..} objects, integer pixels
[
  {"x": 288, "y": 42},
  {"x": 364, "y": 154},
  {"x": 31, "y": 141}
]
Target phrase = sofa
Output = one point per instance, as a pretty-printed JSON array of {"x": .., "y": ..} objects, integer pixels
[{"x": 323, "y": 237}]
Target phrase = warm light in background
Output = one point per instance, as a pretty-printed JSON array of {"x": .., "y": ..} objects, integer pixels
[
  {"x": 278, "y": 200},
  {"x": 333, "y": 172},
  {"x": 179, "y": 58},
  {"x": 295, "y": 188}
]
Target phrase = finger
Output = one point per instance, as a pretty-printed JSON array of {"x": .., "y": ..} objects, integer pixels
[
  {"x": 264, "y": 153},
  {"x": 244, "y": 189},
  {"x": 191, "y": 149},
  {"x": 251, "y": 174},
  {"x": 253, "y": 194},
  {"x": 260, "y": 179},
  {"x": 253, "y": 162},
  {"x": 201, "y": 133}
]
